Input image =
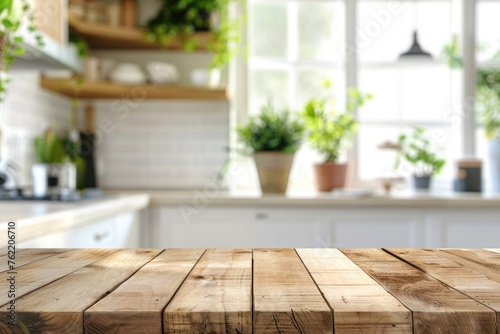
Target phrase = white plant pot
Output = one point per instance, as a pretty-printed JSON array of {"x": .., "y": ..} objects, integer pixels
[{"x": 494, "y": 162}]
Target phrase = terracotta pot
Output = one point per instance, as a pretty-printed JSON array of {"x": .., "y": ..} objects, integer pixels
[
  {"x": 273, "y": 169},
  {"x": 329, "y": 176}
]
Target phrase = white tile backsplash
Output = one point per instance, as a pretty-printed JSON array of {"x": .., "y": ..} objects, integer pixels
[
  {"x": 153, "y": 144},
  {"x": 26, "y": 113},
  {"x": 162, "y": 144}
]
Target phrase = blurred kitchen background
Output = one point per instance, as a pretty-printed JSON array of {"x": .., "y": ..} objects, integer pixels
[{"x": 162, "y": 99}]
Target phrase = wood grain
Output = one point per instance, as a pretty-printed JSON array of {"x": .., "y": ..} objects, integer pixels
[
  {"x": 58, "y": 307},
  {"x": 481, "y": 260},
  {"x": 37, "y": 274},
  {"x": 25, "y": 256},
  {"x": 216, "y": 297},
  {"x": 156, "y": 283},
  {"x": 436, "y": 308},
  {"x": 286, "y": 299},
  {"x": 110, "y": 90},
  {"x": 359, "y": 303},
  {"x": 468, "y": 281}
]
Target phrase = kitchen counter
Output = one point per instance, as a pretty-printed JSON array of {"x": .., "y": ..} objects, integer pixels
[
  {"x": 322, "y": 290},
  {"x": 203, "y": 198},
  {"x": 37, "y": 218}
]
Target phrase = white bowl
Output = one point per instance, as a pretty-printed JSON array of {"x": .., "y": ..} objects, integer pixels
[
  {"x": 127, "y": 73},
  {"x": 162, "y": 73}
]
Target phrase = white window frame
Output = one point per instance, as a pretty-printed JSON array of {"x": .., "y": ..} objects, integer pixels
[{"x": 239, "y": 70}]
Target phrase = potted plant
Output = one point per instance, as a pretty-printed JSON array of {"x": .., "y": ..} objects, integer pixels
[
  {"x": 330, "y": 132},
  {"x": 12, "y": 15},
  {"x": 272, "y": 137},
  {"x": 182, "y": 18},
  {"x": 421, "y": 157}
]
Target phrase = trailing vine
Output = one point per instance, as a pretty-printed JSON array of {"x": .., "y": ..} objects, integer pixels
[{"x": 13, "y": 14}]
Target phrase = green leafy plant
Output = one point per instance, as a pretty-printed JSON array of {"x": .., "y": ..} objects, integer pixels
[
  {"x": 272, "y": 130},
  {"x": 50, "y": 148},
  {"x": 81, "y": 45},
  {"x": 416, "y": 149},
  {"x": 182, "y": 18},
  {"x": 451, "y": 53},
  {"x": 12, "y": 15},
  {"x": 487, "y": 87},
  {"x": 328, "y": 130}
]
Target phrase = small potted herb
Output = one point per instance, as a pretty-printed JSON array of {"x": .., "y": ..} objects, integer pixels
[
  {"x": 272, "y": 137},
  {"x": 417, "y": 150},
  {"x": 330, "y": 132}
]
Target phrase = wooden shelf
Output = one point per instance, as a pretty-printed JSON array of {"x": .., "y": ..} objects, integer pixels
[
  {"x": 109, "y": 90},
  {"x": 103, "y": 36}
]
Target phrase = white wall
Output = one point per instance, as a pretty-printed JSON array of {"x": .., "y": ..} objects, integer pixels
[
  {"x": 155, "y": 144},
  {"x": 26, "y": 113}
]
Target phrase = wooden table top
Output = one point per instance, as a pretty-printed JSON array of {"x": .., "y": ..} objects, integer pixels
[{"x": 341, "y": 291}]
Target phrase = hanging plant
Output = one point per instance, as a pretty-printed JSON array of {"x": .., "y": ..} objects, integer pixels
[
  {"x": 13, "y": 14},
  {"x": 181, "y": 19}
]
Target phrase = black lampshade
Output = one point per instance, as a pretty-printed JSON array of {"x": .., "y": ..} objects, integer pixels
[{"x": 415, "y": 50}]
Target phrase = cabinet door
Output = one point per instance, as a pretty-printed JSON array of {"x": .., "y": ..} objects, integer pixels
[
  {"x": 116, "y": 232},
  {"x": 289, "y": 227},
  {"x": 226, "y": 227},
  {"x": 472, "y": 228},
  {"x": 376, "y": 228}
]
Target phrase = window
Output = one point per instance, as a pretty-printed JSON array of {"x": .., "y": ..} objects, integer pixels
[
  {"x": 406, "y": 93},
  {"x": 292, "y": 50},
  {"x": 295, "y": 44},
  {"x": 487, "y": 57}
]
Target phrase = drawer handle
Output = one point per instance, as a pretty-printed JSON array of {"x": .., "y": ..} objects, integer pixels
[{"x": 100, "y": 236}]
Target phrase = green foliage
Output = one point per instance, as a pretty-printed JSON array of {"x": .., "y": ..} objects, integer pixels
[
  {"x": 12, "y": 14},
  {"x": 417, "y": 150},
  {"x": 50, "y": 149},
  {"x": 182, "y": 18},
  {"x": 451, "y": 53},
  {"x": 488, "y": 100},
  {"x": 329, "y": 131},
  {"x": 82, "y": 48},
  {"x": 487, "y": 86},
  {"x": 272, "y": 130}
]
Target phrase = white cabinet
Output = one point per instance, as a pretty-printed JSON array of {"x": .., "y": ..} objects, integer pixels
[
  {"x": 473, "y": 228},
  {"x": 121, "y": 231},
  {"x": 220, "y": 227},
  {"x": 244, "y": 226}
]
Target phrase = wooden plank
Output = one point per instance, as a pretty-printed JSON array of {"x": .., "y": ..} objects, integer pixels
[
  {"x": 486, "y": 262},
  {"x": 111, "y": 90},
  {"x": 436, "y": 307},
  {"x": 58, "y": 307},
  {"x": 156, "y": 283},
  {"x": 359, "y": 303},
  {"x": 286, "y": 299},
  {"x": 37, "y": 274},
  {"x": 103, "y": 36},
  {"x": 25, "y": 256},
  {"x": 468, "y": 281},
  {"x": 216, "y": 297}
]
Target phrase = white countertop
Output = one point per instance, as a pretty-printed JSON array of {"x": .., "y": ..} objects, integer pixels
[
  {"x": 348, "y": 200},
  {"x": 35, "y": 218}
]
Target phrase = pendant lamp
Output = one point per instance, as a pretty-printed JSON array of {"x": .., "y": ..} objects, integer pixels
[{"x": 415, "y": 50}]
